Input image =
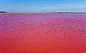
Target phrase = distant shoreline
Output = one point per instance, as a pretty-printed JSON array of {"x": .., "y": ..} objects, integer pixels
[{"x": 39, "y": 13}]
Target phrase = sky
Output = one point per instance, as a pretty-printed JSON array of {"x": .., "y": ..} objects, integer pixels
[{"x": 43, "y": 5}]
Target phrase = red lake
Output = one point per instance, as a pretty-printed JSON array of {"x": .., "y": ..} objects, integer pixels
[{"x": 42, "y": 33}]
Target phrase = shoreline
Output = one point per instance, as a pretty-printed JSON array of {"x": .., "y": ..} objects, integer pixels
[{"x": 40, "y": 13}]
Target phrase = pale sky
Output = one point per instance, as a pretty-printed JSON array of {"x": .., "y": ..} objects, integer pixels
[{"x": 43, "y": 5}]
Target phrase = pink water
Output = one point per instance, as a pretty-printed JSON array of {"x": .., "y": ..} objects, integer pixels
[{"x": 43, "y": 33}]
